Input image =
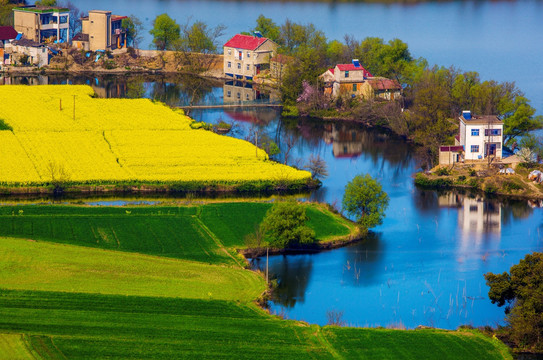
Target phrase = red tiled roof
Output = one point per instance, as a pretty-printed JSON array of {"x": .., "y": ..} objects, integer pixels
[
  {"x": 384, "y": 84},
  {"x": 7, "y": 33},
  {"x": 245, "y": 42},
  {"x": 332, "y": 70},
  {"x": 117, "y": 17},
  {"x": 451, "y": 148},
  {"x": 351, "y": 67}
]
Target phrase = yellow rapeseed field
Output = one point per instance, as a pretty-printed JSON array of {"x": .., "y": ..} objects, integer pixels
[{"x": 112, "y": 140}]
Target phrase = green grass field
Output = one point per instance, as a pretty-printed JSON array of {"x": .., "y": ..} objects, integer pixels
[{"x": 162, "y": 282}]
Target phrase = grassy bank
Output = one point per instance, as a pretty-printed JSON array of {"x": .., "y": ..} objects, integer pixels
[
  {"x": 480, "y": 177},
  {"x": 161, "y": 282}
]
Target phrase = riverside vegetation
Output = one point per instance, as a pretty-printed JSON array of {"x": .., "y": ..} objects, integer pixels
[{"x": 77, "y": 284}]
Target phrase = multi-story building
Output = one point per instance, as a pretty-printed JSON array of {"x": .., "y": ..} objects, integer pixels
[
  {"x": 42, "y": 24},
  {"x": 101, "y": 31},
  {"x": 245, "y": 56},
  {"x": 481, "y": 136}
]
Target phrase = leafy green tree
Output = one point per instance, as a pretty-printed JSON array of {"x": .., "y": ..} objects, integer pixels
[
  {"x": 519, "y": 119},
  {"x": 134, "y": 29},
  {"x": 6, "y": 13},
  {"x": 365, "y": 199},
  {"x": 196, "y": 45},
  {"x": 284, "y": 225},
  {"x": 46, "y": 3},
  {"x": 165, "y": 32},
  {"x": 268, "y": 29},
  {"x": 521, "y": 290}
]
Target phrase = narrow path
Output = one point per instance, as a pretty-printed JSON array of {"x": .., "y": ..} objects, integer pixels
[
  {"x": 322, "y": 339},
  {"x": 216, "y": 240}
]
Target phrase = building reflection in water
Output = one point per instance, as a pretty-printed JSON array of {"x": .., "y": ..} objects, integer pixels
[{"x": 479, "y": 221}]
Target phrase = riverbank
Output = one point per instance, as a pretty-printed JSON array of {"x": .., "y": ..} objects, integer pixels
[{"x": 480, "y": 177}]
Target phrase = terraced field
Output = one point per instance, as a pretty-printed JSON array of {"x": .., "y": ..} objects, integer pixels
[{"x": 162, "y": 282}]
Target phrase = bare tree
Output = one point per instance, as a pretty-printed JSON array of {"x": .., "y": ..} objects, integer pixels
[
  {"x": 75, "y": 16},
  {"x": 317, "y": 166}
]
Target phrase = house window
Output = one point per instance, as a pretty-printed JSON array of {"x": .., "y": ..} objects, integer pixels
[
  {"x": 240, "y": 55},
  {"x": 474, "y": 148},
  {"x": 248, "y": 54},
  {"x": 239, "y": 96},
  {"x": 473, "y": 208},
  {"x": 239, "y": 66},
  {"x": 248, "y": 67},
  {"x": 474, "y": 132},
  {"x": 229, "y": 51},
  {"x": 229, "y": 64},
  {"x": 493, "y": 132},
  {"x": 354, "y": 87},
  {"x": 228, "y": 93},
  {"x": 346, "y": 74},
  {"x": 247, "y": 97}
]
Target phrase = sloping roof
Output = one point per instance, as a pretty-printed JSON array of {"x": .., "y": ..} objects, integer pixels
[
  {"x": 81, "y": 37},
  {"x": 331, "y": 70},
  {"x": 245, "y": 42},
  {"x": 117, "y": 17},
  {"x": 281, "y": 58},
  {"x": 351, "y": 67},
  {"x": 456, "y": 148},
  {"x": 27, "y": 43},
  {"x": 384, "y": 84},
  {"x": 7, "y": 33}
]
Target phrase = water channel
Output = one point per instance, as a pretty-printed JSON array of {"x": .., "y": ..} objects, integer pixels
[{"x": 423, "y": 266}]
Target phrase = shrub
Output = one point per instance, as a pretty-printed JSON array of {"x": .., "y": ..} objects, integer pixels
[
  {"x": 472, "y": 172},
  {"x": 491, "y": 189},
  {"x": 511, "y": 185},
  {"x": 442, "y": 171},
  {"x": 424, "y": 181},
  {"x": 461, "y": 178}
]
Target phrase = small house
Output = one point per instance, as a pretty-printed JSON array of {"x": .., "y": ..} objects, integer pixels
[
  {"x": 245, "y": 56},
  {"x": 278, "y": 65},
  {"x": 381, "y": 88},
  {"x": 449, "y": 155},
  {"x": 348, "y": 79},
  {"x": 42, "y": 23},
  {"x": 7, "y": 34},
  {"x": 35, "y": 53},
  {"x": 481, "y": 136},
  {"x": 101, "y": 31}
]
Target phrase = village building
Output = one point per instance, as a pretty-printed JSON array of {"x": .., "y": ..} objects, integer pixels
[
  {"x": 100, "y": 31},
  {"x": 355, "y": 81},
  {"x": 26, "y": 52},
  {"x": 7, "y": 34},
  {"x": 42, "y": 24},
  {"x": 479, "y": 137},
  {"x": 245, "y": 56},
  {"x": 278, "y": 66},
  {"x": 381, "y": 88}
]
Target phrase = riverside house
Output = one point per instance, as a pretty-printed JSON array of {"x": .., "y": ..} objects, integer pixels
[
  {"x": 42, "y": 23},
  {"x": 479, "y": 137},
  {"x": 7, "y": 33},
  {"x": 100, "y": 31},
  {"x": 245, "y": 56}
]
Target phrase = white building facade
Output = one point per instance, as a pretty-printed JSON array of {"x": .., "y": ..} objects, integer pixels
[{"x": 481, "y": 136}]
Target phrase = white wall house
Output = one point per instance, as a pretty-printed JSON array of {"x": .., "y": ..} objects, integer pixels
[
  {"x": 244, "y": 56},
  {"x": 481, "y": 136}
]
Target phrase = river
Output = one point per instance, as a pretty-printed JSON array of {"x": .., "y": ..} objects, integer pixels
[
  {"x": 502, "y": 40},
  {"x": 423, "y": 266}
]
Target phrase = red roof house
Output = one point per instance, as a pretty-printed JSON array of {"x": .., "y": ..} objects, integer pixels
[
  {"x": 244, "y": 56},
  {"x": 7, "y": 33}
]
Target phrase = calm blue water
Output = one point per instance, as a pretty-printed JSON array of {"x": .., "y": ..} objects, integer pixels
[{"x": 502, "y": 40}]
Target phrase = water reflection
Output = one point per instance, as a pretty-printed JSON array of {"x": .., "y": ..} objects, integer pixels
[{"x": 360, "y": 267}]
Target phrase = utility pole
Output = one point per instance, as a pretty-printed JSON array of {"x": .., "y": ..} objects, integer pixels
[
  {"x": 74, "y": 107},
  {"x": 267, "y": 263}
]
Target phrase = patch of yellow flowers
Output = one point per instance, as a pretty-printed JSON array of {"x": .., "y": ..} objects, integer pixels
[{"x": 117, "y": 140}]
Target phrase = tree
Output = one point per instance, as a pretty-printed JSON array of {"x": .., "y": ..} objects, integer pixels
[
  {"x": 522, "y": 291},
  {"x": 6, "y": 13},
  {"x": 365, "y": 199},
  {"x": 165, "y": 32},
  {"x": 197, "y": 44},
  {"x": 75, "y": 16},
  {"x": 134, "y": 29},
  {"x": 46, "y": 3},
  {"x": 284, "y": 224},
  {"x": 317, "y": 166},
  {"x": 268, "y": 29}
]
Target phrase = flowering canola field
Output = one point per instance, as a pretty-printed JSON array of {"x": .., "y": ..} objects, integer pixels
[{"x": 117, "y": 140}]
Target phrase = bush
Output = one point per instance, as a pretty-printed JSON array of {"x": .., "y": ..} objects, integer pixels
[
  {"x": 424, "y": 181},
  {"x": 284, "y": 224},
  {"x": 511, "y": 185},
  {"x": 290, "y": 111},
  {"x": 442, "y": 171},
  {"x": 472, "y": 172},
  {"x": 461, "y": 178},
  {"x": 201, "y": 125},
  {"x": 491, "y": 189}
]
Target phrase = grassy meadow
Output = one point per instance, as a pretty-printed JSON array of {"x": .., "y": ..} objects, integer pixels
[{"x": 164, "y": 282}]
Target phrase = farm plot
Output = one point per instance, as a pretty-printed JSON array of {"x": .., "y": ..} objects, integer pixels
[
  {"x": 119, "y": 141},
  {"x": 125, "y": 327},
  {"x": 165, "y": 231},
  {"x": 36, "y": 265}
]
